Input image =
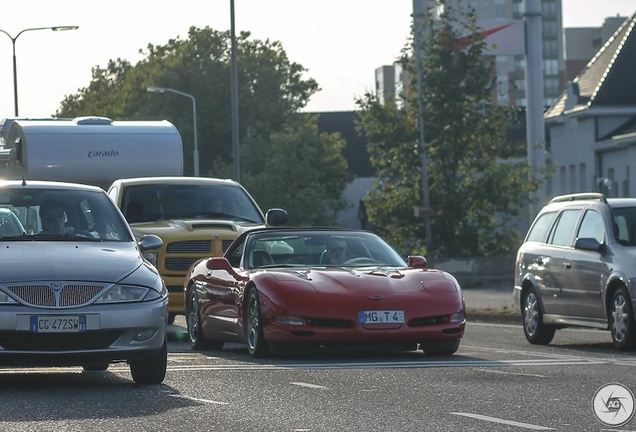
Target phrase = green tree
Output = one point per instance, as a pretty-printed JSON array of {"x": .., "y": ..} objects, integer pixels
[
  {"x": 298, "y": 169},
  {"x": 477, "y": 176},
  {"x": 271, "y": 92}
]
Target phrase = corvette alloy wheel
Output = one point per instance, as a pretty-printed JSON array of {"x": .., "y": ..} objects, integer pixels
[
  {"x": 256, "y": 345},
  {"x": 193, "y": 322}
]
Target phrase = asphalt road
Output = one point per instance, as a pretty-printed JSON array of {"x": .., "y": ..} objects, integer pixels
[{"x": 495, "y": 382}]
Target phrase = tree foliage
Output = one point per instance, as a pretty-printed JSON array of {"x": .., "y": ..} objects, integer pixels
[
  {"x": 477, "y": 176},
  {"x": 271, "y": 91}
]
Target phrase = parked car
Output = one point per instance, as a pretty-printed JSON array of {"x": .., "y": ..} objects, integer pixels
[
  {"x": 276, "y": 287},
  {"x": 74, "y": 287},
  {"x": 576, "y": 267}
]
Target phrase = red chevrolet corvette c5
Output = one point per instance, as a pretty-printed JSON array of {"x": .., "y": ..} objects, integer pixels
[{"x": 324, "y": 287}]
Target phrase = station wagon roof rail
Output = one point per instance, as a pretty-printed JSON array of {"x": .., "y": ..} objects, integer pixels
[{"x": 585, "y": 196}]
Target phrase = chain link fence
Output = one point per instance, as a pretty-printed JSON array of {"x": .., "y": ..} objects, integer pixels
[{"x": 479, "y": 272}]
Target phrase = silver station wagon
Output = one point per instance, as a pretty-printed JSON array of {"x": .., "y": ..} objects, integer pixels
[
  {"x": 577, "y": 267},
  {"x": 75, "y": 289}
]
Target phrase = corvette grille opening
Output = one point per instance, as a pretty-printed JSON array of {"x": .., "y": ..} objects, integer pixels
[
  {"x": 426, "y": 321},
  {"x": 328, "y": 322}
]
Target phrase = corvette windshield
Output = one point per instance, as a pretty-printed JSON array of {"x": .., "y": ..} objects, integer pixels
[{"x": 322, "y": 248}]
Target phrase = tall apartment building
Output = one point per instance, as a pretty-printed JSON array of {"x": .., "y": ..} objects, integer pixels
[
  {"x": 510, "y": 70},
  {"x": 511, "y": 85}
]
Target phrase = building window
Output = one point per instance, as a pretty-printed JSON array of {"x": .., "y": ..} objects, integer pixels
[
  {"x": 550, "y": 48},
  {"x": 548, "y": 8},
  {"x": 551, "y": 86},
  {"x": 551, "y": 67},
  {"x": 500, "y": 10},
  {"x": 549, "y": 28}
]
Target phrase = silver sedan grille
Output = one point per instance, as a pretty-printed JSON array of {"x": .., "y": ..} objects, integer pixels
[{"x": 45, "y": 296}]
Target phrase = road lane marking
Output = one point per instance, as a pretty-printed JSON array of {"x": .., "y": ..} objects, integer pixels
[
  {"x": 512, "y": 373},
  {"x": 313, "y": 386},
  {"x": 197, "y": 399},
  {"x": 502, "y": 421}
]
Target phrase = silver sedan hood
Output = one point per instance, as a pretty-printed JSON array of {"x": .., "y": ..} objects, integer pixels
[{"x": 68, "y": 260}]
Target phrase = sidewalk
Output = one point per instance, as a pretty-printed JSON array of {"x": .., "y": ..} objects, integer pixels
[{"x": 478, "y": 298}]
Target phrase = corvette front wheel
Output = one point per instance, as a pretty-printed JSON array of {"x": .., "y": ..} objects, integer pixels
[
  {"x": 256, "y": 345},
  {"x": 193, "y": 322}
]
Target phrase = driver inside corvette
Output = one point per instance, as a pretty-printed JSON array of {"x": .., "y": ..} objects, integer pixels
[{"x": 337, "y": 252}]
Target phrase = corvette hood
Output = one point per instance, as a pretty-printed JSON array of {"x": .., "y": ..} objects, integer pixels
[
  {"x": 68, "y": 260},
  {"x": 364, "y": 281}
]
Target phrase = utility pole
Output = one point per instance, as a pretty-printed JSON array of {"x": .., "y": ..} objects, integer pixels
[
  {"x": 419, "y": 14},
  {"x": 535, "y": 125}
]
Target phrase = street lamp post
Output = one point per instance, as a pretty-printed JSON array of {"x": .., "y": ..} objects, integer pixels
[
  {"x": 234, "y": 95},
  {"x": 194, "y": 115},
  {"x": 15, "y": 70}
]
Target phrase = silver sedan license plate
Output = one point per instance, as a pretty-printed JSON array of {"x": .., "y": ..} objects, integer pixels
[
  {"x": 58, "y": 324},
  {"x": 381, "y": 317}
]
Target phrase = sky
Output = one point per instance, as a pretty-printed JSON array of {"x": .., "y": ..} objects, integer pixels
[{"x": 339, "y": 42}]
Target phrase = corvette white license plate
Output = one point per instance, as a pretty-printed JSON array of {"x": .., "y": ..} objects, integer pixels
[
  {"x": 58, "y": 324},
  {"x": 381, "y": 317}
]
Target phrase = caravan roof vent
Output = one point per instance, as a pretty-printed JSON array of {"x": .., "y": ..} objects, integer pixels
[{"x": 92, "y": 120}]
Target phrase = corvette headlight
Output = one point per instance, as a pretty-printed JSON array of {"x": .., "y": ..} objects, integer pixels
[
  {"x": 126, "y": 293},
  {"x": 151, "y": 257},
  {"x": 457, "y": 317}
]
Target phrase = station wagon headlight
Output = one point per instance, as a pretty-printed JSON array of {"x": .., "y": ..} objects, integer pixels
[
  {"x": 151, "y": 257},
  {"x": 125, "y": 293}
]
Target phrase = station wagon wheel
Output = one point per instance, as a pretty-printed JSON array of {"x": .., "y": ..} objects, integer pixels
[
  {"x": 622, "y": 321},
  {"x": 537, "y": 333},
  {"x": 256, "y": 345},
  {"x": 193, "y": 323}
]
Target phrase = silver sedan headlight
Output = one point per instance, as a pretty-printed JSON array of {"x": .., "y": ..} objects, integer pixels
[{"x": 127, "y": 293}]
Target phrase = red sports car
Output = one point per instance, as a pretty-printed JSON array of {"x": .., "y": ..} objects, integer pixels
[{"x": 324, "y": 287}]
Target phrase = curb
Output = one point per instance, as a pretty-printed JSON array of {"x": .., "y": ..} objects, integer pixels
[{"x": 494, "y": 318}]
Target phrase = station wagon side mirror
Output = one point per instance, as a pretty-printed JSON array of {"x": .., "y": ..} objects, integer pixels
[{"x": 588, "y": 243}]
